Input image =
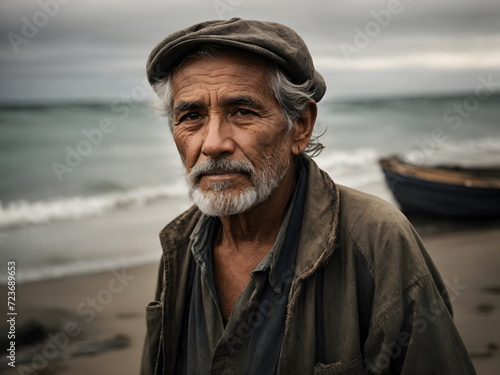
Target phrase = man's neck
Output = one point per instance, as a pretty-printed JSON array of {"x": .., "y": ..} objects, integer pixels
[
  {"x": 244, "y": 240},
  {"x": 258, "y": 227}
]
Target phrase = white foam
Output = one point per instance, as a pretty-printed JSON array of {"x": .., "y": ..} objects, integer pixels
[
  {"x": 340, "y": 161},
  {"x": 22, "y": 212},
  {"x": 471, "y": 152}
]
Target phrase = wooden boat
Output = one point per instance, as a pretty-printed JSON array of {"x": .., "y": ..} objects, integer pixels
[{"x": 444, "y": 191}]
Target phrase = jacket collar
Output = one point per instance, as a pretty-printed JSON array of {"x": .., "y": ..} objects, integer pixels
[{"x": 319, "y": 223}]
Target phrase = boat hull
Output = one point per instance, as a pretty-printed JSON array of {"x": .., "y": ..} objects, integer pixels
[{"x": 423, "y": 197}]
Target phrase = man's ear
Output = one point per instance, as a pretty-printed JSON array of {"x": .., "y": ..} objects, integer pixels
[{"x": 304, "y": 127}]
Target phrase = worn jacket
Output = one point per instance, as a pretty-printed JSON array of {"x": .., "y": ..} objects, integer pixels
[{"x": 365, "y": 297}]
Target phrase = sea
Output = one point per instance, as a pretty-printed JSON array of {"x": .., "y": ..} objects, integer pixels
[{"x": 86, "y": 187}]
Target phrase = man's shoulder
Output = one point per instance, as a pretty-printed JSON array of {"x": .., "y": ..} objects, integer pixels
[
  {"x": 357, "y": 207},
  {"x": 378, "y": 229}
]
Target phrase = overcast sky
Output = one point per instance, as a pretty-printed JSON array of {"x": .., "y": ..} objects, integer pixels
[{"x": 69, "y": 50}]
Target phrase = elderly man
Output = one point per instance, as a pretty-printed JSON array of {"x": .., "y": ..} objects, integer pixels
[{"x": 276, "y": 269}]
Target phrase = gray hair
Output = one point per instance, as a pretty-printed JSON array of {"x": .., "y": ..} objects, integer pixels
[{"x": 292, "y": 98}]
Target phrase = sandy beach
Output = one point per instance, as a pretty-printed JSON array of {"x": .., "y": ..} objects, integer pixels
[
  {"x": 94, "y": 324},
  {"x": 99, "y": 320}
]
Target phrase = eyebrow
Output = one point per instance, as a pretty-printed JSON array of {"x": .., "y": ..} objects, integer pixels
[
  {"x": 186, "y": 106},
  {"x": 232, "y": 101},
  {"x": 242, "y": 100}
]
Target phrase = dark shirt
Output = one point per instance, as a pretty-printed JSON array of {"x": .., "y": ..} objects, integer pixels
[{"x": 250, "y": 343}]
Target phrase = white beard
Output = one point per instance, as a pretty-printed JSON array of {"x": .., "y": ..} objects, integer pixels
[{"x": 221, "y": 199}]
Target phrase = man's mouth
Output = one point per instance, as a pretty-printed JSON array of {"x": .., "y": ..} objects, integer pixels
[
  {"x": 221, "y": 172},
  {"x": 220, "y": 175},
  {"x": 217, "y": 172}
]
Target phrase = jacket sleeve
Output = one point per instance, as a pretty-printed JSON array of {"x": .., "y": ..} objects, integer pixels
[
  {"x": 417, "y": 336},
  {"x": 153, "y": 331},
  {"x": 412, "y": 331}
]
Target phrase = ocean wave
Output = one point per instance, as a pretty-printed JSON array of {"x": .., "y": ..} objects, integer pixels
[
  {"x": 483, "y": 152},
  {"x": 356, "y": 168},
  {"x": 22, "y": 212},
  {"x": 346, "y": 160},
  {"x": 478, "y": 151}
]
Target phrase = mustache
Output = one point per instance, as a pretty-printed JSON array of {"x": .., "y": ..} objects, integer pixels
[{"x": 213, "y": 166}]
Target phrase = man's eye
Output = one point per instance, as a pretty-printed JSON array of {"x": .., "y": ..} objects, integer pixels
[
  {"x": 244, "y": 112},
  {"x": 191, "y": 116}
]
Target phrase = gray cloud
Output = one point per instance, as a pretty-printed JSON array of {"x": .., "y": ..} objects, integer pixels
[{"x": 98, "y": 49}]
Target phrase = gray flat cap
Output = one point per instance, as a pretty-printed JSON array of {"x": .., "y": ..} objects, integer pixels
[{"x": 271, "y": 40}]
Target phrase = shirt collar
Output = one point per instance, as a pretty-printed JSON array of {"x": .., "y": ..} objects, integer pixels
[
  {"x": 271, "y": 260},
  {"x": 201, "y": 240}
]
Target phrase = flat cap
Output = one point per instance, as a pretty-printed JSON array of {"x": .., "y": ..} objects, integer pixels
[{"x": 270, "y": 40}]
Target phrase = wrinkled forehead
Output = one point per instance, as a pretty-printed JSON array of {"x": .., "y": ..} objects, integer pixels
[{"x": 235, "y": 70}]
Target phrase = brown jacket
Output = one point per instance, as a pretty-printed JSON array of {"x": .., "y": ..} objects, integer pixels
[{"x": 365, "y": 297}]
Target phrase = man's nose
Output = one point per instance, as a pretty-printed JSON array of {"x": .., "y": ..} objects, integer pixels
[{"x": 217, "y": 140}]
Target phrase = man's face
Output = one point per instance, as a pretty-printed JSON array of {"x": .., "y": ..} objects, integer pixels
[{"x": 230, "y": 132}]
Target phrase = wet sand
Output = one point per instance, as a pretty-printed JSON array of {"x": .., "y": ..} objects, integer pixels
[{"x": 99, "y": 320}]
